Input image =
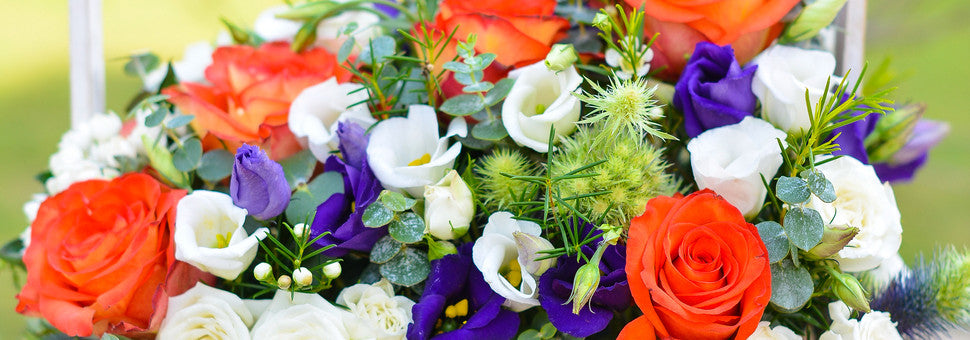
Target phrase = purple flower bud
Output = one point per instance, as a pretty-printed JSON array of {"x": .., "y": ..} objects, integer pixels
[
  {"x": 258, "y": 183},
  {"x": 714, "y": 90}
]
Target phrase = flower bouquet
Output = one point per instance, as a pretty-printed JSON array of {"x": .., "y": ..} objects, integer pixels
[{"x": 448, "y": 169}]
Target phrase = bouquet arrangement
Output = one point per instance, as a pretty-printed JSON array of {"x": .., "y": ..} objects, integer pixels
[{"x": 374, "y": 169}]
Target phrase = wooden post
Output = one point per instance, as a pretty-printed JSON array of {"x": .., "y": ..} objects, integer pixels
[
  {"x": 87, "y": 60},
  {"x": 851, "y": 46}
]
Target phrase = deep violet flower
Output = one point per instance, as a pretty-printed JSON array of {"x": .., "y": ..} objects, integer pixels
[
  {"x": 341, "y": 213},
  {"x": 454, "y": 278},
  {"x": 258, "y": 183},
  {"x": 714, "y": 90}
]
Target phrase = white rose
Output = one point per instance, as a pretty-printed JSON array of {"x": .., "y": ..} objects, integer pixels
[
  {"x": 765, "y": 332},
  {"x": 539, "y": 100},
  {"x": 495, "y": 254},
  {"x": 783, "y": 75},
  {"x": 378, "y": 308},
  {"x": 307, "y": 316},
  {"x": 732, "y": 159},
  {"x": 191, "y": 68},
  {"x": 873, "y": 325},
  {"x": 209, "y": 234},
  {"x": 865, "y": 203},
  {"x": 328, "y": 36},
  {"x": 315, "y": 112},
  {"x": 407, "y": 153},
  {"x": 205, "y": 312},
  {"x": 449, "y": 207}
]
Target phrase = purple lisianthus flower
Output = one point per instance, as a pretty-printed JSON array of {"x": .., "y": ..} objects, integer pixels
[
  {"x": 258, "y": 183},
  {"x": 613, "y": 293},
  {"x": 454, "y": 278},
  {"x": 341, "y": 213},
  {"x": 714, "y": 90}
]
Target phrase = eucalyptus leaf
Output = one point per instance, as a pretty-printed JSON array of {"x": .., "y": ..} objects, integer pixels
[
  {"x": 409, "y": 228},
  {"x": 187, "y": 157},
  {"x": 407, "y": 269},
  {"x": 492, "y": 130},
  {"x": 466, "y": 78},
  {"x": 299, "y": 167},
  {"x": 345, "y": 49},
  {"x": 385, "y": 249},
  {"x": 11, "y": 251},
  {"x": 457, "y": 67},
  {"x": 529, "y": 334},
  {"x": 792, "y": 190},
  {"x": 478, "y": 87},
  {"x": 215, "y": 165},
  {"x": 497, "y": 93},
  {"x": 377, "y": 215},
  {"x": 792, "y": 286},
  {"x": 773, "y": 235},
  {"x": 396, "y": 201},
  {"x": 819, "y": 185},
  {"x": 157, "y": 117},
  {"x": 804, "y": 227},
  {"x": 139, "y": 64},
  {"x": 161, "y": 160},
  {"x": 463, "y": 105},
  {"x": 304, "y": 202},
  {"x": 377, "y": 49},
  {"x": 179, "y": 121}
]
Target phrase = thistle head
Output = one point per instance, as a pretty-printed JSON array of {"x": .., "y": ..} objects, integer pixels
[
  {"x": 496, "y": 188},
  {"x": 626, "y": 109}
]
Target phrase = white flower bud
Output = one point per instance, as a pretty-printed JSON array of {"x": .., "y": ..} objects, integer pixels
[
  {"x": 449, "y": 207},
  {"x": 300, "y": 229},
  {"x": 332, "y": 271},
  {"x": 302, "y": 277},
  {"x": 284, "y": 282},
  {"x": 263, "y": 271}
]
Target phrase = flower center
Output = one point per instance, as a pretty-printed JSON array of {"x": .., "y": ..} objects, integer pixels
[
  {"x": 222, "y": 241},
  {"x": 424, "y": 159},
  {"x": 540, "y": 109},
  {"x": 512, "y": 272},
  {"x": 457, "y": 309}
]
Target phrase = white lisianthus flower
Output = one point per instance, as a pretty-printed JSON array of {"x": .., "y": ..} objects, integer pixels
[
  {"x": 378, "y": 308},
  {"x": 315, "y": 112},
  {"x": 205, "y": 312},
  {"x": 865, "y": 203},
  {"x": 407, "y": 153},
  {"x": 783, "y": 75},
  {"x": 449, "y": 207},
  {"x": 539, "y": 100},
  {"x": 191, "y": 68},
  {"x": 209, "y": 234},
  {"x": 731, "y": 160},
  {"x": 873, "y": 325},
  {"x": 496, "y": 256},
  {"x": 765, "y": 332},
  {"x": 307, "y": 316},
  {"x": 328, "y": 36}
]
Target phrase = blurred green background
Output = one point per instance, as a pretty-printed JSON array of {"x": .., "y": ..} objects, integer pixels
[{"x": 927, "y": 41}]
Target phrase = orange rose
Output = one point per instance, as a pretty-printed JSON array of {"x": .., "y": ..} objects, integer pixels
[
  {"x": 100, "y": 255},
  {"x": 749, "y": 26},
  {"x": 249, "y": 99},
  {"x": 696, "y": 269}
]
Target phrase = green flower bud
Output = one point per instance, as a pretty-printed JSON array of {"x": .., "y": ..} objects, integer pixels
[
  {"x": 561, "y": 57},
  {"x": 530, "y": 249},
  {"x": 439, "y": 249},
  {"x": 587, "y": 280},
  {"x": 602, "y": 21},
  {"x": 834, "y": 238},
  {"x": 848, "y": 289},
  {"x": 611, "y": 234},
  {"x": 813, "y": 19},
  {"x": 892, "y": 131}
]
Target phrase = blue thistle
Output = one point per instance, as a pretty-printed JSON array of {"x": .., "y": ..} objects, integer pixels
[{"x": 931, "y": 298}]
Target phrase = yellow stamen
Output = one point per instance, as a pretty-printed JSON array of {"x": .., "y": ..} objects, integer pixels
[
  {"x": 513, "y": 272},
  {"x": 458, "y": 309},
  {"x": 540, "y": 109},
  {"x": 424, "y": 159},
  {"x": 222, "y": 241}
]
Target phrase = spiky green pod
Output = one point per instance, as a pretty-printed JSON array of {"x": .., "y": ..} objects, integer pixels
[{"x": 495, "y": 189}]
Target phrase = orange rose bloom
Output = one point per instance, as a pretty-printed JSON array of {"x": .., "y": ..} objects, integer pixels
[
  {"x": 518, "y": 32},
  {"x": 696, "y": 269},
  {"x": 749, "y": 26},
  {"x": 99, "y": 257},
  {"x": 249, "y": 99}
]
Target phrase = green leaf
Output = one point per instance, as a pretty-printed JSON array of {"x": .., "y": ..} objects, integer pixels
[
  {"x": 396, "y": 201},
  {"x": 161, "y": 160},
  {"x": 187, "y": 157},
  {"x": 819, "y": 185},
  {"x": 141, "y": 63},
  {"x": 466, "y": 78},
  {"x": 773, "y": 235},
  {"x": 529, "y": 334},
  {"x": 792, "y": 286},
  {"x": 409, "y": 228},
  {"x": 497, "y": 93},
  {"x": 792, "y": 190},
  {"x": 109, "y": 336},
  {"x": 478, "y": 87},
  {"x": 440, "y": 248},
  {"x": 156, "y": 117},
  {"x": 298, "y": 168},
  {"x": 385, "y": 249},
  {"x": 492, "y": 130},
  {"x": 170, "y": 78},
  {"x": 349, "y": 29},
  {"x": 463, "y": 105},
  {"x": 377, "y": 215},
  {"x": 547, "y": 331},
  {"x": 457, "y": 67},
  {"x": 216, "y": 165},
  {"x": 344, "y": 52},
  {"x": 804, "y": 227},
  {"x": 378, "y": 48},
  {"x": 480, "y": 62},
  {"x": 179, "y": 121},
  {"x": 304, "y": 202},
  {"x": 407, "y": 269},
  {"x": 11, "y": 251}
]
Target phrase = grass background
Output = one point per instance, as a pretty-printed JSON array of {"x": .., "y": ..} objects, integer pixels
[{"x": 927, "y": 41}]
